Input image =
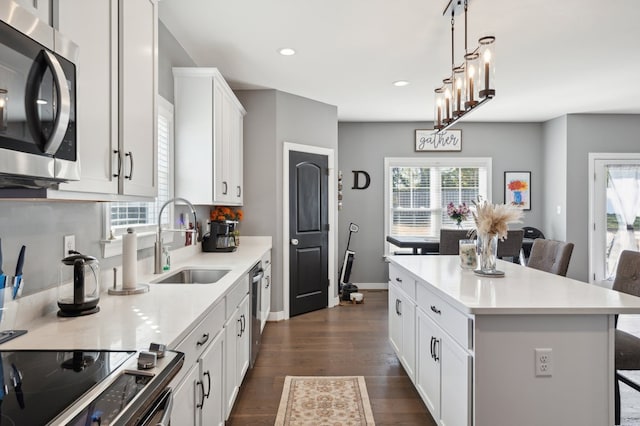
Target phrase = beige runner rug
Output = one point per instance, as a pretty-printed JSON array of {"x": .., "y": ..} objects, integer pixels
[{"x": 324, "y": 401}]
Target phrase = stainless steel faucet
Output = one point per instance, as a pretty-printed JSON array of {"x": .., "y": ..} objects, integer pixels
[{"x": 159, "y": 245}]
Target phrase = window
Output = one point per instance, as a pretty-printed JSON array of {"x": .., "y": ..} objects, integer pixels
[
  {"x": 417, "y": 191},
  {"x": 144, "y": 215}
]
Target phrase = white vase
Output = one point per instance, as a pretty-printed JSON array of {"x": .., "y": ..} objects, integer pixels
[{"x": 487, "y": 252}]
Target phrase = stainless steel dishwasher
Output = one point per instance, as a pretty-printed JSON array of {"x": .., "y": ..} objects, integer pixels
[{"x": 255, "y": 275}]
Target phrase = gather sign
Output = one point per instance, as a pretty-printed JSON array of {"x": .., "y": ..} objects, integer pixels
[{"x": 444, "y": 141}]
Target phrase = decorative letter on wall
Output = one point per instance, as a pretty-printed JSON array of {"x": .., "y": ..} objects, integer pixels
[{"x": 356, "y": 179}]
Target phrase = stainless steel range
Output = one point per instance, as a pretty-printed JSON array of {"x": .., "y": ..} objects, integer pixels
[{"x": 43, "y": 387}]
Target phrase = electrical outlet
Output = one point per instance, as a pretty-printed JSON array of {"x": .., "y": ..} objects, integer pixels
[
  {"x": 544, "y": 362},
  {"x": 69, "y": 244}
]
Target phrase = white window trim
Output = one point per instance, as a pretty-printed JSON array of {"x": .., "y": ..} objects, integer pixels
[
  {"x": 146, "y": 233},
  {"x": 390, "y": 162}
]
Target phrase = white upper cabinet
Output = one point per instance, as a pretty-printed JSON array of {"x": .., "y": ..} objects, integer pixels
[
  {"x": 208, "y": 154},
  {"x": 116, "y": 93}
]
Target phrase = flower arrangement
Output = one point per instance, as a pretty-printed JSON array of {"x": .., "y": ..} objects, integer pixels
[
  {"x": 222, "y": 213},
  {"x": 459, "y": 213},
  {"x": 518, "y": 185},
  {"x": 492, "y": 224},
  {"x": 493, "y": 219}
]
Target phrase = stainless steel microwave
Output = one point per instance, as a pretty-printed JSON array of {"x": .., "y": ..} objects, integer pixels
[{"x": 38, "y": 146}]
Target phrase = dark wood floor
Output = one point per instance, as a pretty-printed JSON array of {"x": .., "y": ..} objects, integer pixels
[{"x": 343, "y": 341}]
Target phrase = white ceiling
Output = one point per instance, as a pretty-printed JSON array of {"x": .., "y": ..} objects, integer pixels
[{"x": 553, "y": 57}]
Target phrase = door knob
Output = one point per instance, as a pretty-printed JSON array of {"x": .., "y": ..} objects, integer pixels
[{"x": 294, "y": 241}]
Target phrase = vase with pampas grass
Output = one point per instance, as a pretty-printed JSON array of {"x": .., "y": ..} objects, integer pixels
[{"x": 492, "y": 224}]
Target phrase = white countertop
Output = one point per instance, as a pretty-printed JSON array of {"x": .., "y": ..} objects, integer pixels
[
  {"x": 162, "y": 315},
  {"x": 521, "y": 291}
]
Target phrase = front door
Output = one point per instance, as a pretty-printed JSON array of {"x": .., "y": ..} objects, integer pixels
[{"x": 308, "y": 232}]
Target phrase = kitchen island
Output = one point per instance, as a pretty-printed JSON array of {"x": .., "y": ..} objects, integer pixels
[{"x": 527, "y": 349}]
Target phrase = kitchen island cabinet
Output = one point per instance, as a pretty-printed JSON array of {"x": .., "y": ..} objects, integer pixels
[{"x": 477, "y": 340}]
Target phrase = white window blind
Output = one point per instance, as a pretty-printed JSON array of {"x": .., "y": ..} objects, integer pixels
[{"x": 417, "y": 191}]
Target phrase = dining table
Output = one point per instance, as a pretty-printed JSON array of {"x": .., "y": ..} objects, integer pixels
[{"x": 431, "y": 244}]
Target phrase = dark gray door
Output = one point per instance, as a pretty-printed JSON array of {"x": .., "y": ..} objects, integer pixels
[{"x": 308, "y": 232}]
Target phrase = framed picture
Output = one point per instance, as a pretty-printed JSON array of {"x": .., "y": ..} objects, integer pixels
[
  {"x": 517, "y": 189},
  {"x": 445, "y": 141}
]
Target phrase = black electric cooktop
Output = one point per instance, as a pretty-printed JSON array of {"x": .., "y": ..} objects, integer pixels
[{"x": 39, "y": 385}]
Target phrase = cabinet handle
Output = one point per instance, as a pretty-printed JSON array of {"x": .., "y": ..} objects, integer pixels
[
  {"x": 201, "y": 383},
  {"x": 240, "y": 332},
  {"x": 436, "y": 310},
  {"x": 224, "y": 192},
  {"x": 238, "y": 191},
  {"x": 130, "y": 155},
  {"x": 117, "y": 174},
  {"x": 397, "y": 304},
  {"x": 436, "y": 349},
  {"x": 204, "y": 339},
  {"x": 432, "y": 355},
  {"x": 206, "y": 373},
  {"x": 398, "y": 279},
  {"x": 244, "y": 323},
  {"x": 268, "y": 282}
]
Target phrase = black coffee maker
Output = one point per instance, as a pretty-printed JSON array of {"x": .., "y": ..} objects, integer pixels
[{"x": 221, "y": 236}]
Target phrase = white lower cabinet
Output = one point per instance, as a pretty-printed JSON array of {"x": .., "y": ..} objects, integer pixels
[
  {"x": 237, "y": 332},
  {"x": 211, "y": 383},
  {"x": 433, "y": 342},
  {"x": 217, "y": 353},
  {"x": 184, "y": 400},
  {"x": 402, "y": 317},
  {"x": 428, "y": 362},
  {"x": 197, "y": 399}
]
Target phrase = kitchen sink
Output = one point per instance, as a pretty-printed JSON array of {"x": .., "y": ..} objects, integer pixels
[{"x": 194, "y": 276}]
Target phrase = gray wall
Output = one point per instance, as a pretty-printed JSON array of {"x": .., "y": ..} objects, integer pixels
[
  {"x": 41, "y": 225},
  {"x": 591, "y": 133},
  {"x": 275, "y": 117},
  {"x": 170, "y": 54},
  {"x": 555, "y": 170},
  {"x": 363, "y": 146}
]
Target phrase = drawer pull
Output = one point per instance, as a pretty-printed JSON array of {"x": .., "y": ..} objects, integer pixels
[
  {"x": 398, "y": 279},
  {"x": 435, "y": 310},
  {"x": 205, "y": 338}
]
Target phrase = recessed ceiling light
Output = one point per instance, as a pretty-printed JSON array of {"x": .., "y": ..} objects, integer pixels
[
  {"x": 400, "y": 83},
  {"x": 287, "y": 51}
]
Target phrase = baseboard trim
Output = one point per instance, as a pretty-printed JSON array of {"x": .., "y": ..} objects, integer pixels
[
  {"x": 372, "y": 286},
  {"x": 276, "y": 316}
]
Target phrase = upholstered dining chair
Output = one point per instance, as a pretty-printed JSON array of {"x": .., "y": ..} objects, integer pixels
[
  {"x": 550, "y": 256},
  {"x": 511, "y": 246},
  {"x": 449, "y": 239},
  {"x": 627, "y": 352}
]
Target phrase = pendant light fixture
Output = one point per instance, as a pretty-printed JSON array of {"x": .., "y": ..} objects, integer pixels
[{"x": 470, "y": 84}]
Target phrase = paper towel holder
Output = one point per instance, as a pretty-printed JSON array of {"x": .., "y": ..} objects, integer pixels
[
  {"x": 138, "y": 289},
  {"x": 129, "y": 268}
]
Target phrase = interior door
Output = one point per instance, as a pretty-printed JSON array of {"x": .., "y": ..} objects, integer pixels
[{"x": 308, "y": 232}]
